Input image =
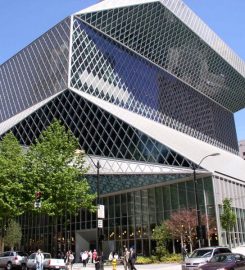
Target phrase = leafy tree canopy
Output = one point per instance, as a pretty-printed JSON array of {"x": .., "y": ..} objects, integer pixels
[
  {"x": 57, "y": 169},
  {"x": 160, "y": 235},
  {"x": 12, "y": 160},
  {"x": 228, "y": 217}
]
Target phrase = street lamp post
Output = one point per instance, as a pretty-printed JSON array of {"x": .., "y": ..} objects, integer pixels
[
  {"x": 199, "y": 222},
  {"x": 98, "y": 234},
  {"x": 97, "y": 165},
  {"x": 98, "y": 238},
  {"x": 100, "y": 211}
]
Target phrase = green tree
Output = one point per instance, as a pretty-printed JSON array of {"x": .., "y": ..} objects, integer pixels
[
  {"x": 57, "y": 169},
  {"x": 13, "y": 234},
  {"x": 12, "y": 200},
  {"x": 160, "y": 235},
  {"x": 228, "y": 218},
  {"x": 12, "y": 159}
]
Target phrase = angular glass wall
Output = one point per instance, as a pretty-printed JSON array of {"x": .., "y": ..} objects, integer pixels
[
  {"x": 35, "y": 73},
  {"x": 130, "y": 216},
  {"x": 99, "y": 132},
  {"x": 129, "y": 182},
  {"x": 108, "y": 70},
  {"x": 153, "y": 31}
]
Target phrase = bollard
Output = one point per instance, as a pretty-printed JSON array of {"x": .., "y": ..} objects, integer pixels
[{"x": 114, "y": 264}]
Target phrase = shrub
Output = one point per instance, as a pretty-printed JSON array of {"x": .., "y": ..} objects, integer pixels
[
  {"x": 161, "y": 251},
  {"x": 143, "y": 260},
  {"x": 154, "y": 259},
  {"x": 168, "y": 258},
  {"x": 171, "y": 258}
]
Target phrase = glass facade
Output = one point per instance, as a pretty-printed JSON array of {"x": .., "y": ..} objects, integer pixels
[
  {"x": 131, "y": 216},
  {"x": 144, "y": 59},
  {"x": 99, "y": 132},
  {"x": 154, "y": 32},
  {"x": 108, "y": 70},
  {"x": 35, "y": 73}
]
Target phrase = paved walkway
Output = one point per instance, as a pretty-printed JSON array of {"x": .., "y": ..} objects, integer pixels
[{"x": 160, "y": 266}]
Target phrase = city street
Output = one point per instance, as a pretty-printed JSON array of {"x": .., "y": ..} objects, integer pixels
[{"x": 162, "y": 266}]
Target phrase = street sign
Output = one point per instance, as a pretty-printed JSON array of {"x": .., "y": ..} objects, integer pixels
[
  {"x": 101, "y": 211},
  {"x": 100, "y": 223},
  {"x": 37, "y": 204}
]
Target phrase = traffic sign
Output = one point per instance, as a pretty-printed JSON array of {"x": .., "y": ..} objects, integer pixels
[
  {"x": 37, "y": 204},
  {"x": 100, "y": 223},
  {"x": 101, "y": 211}
]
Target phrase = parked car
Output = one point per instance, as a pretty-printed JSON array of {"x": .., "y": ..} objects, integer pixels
[
  {"x": 13, "y": 259},
  {"x": 49, "y": 263},
  {"x": 31, "y": 264},
  {"x": 227, "y": 261},
  {"x": 201, "y": 256},
  {"x": 52, "y": 264}
]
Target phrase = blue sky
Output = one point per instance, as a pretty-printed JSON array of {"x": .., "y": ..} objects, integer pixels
[{"x": 22, "y": 21}]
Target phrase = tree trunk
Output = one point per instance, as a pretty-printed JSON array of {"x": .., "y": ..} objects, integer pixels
[
  {"x": 181, "y": 240},
  {"x": 1, "y": 244},
  {"x": 174, "y": 251},
  {"x": 229, "y": 239}
]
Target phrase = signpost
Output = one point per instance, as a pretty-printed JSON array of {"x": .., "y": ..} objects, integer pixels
[
  {"x": 100, "y": 223},
  {"x": 100, "y": 217}
]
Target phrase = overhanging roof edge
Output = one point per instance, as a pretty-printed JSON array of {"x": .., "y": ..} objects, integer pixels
[
  {"x": 111, "y": 4},
  {"x": 187, "y": 146}
]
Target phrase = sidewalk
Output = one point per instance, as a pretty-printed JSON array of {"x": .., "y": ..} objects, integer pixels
[{"x": 160, "y": 266}]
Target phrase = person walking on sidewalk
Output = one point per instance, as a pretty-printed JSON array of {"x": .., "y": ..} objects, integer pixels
[
  {"x": 132, "y": 259},
  {"x": 69, "y": 260},
  {"x": 97, "y": 262},
  {"x": 84, "y": 258},
  {"x": 126, "y": 259},
  {"x": 39, "y": 258},
  {"x": 94, "y": 255}
]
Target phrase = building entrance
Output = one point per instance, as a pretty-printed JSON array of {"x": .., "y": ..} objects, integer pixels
[{"x": 85, "y": 240}]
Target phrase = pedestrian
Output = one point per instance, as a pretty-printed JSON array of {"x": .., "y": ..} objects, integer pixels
[
  {"x": 90, "y": 256},
  {"x": 94, "y": 255},
  {"x": 114, "y": 264},
  {"x": 84, "y": 258},
  {"x": 39, "y": 258},
  {"x": 126, "y": 254},
  {"x": 184, "y": 251},
  {"x": 69, "y": 260},
  {"x": 115, "y": 255},
  {"x": 97, "y": 262},
  {"x": 132, "y": 259},
  {"x": 110, "y": 256}
]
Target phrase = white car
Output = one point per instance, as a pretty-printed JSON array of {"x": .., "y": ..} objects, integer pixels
[
  {"x": 13, "y": 259},
  {"x": 52, "y": 264}
]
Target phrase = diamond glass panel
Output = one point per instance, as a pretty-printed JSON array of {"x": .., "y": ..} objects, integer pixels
[
  {"x": 36, "y": 72},
  {"x": 127, "y": 182},
  {"x": 108, "y": 70},
  {"x": 99, "y": 132},
  {"x": 157, "y": 34}
]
